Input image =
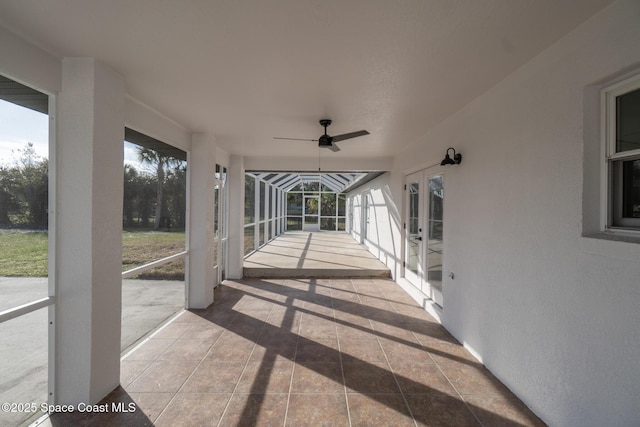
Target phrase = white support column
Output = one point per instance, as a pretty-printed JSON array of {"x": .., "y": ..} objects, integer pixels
[
  {"x": 236, "y": 217},
  {"x": 201, "y": 277},
  {"x": 88, "y": 253}
]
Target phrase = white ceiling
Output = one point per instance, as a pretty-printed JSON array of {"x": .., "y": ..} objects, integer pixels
[{"x": 249, "y": 70}]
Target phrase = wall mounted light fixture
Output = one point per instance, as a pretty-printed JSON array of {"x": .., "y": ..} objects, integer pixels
[{"x": 457, "y": 158}]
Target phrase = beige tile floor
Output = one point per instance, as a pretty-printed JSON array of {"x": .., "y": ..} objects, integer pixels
[
  {"x": 313, "y": 254},
  {"x": 307, "y": 352}
]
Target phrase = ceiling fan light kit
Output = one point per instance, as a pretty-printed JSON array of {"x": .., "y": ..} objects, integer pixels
[{"x": 327, "y": 141}]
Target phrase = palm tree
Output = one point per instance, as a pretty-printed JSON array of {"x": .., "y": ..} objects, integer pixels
[{"x": 152, "y": 157}]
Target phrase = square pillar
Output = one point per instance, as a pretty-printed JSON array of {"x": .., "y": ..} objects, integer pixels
[
  {"x": 236, "y": 217},
  {"x": 201, "y": 167},
  {"x": 88, "y": 230}
]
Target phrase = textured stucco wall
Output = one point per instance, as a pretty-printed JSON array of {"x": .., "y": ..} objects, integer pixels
[{"x": 551, "y": 313}]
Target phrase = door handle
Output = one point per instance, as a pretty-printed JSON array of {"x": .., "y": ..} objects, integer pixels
[{"x": 419, "y": 238}]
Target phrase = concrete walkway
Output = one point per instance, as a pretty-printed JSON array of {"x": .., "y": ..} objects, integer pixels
[
  {"x": 23, "y": 340},
  {"x": 320, "y": 254}
]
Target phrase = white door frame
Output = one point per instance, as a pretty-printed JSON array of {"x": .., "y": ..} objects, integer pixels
[{"x": 419, "y": 242}]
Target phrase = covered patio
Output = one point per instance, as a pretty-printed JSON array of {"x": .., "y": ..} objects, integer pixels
[{"x": 310, "y": 352}]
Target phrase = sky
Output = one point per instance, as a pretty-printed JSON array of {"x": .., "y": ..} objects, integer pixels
[{"x": 19, "y": 126}]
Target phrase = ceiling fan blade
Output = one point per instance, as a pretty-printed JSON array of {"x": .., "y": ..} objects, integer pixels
[
  {"x": 295, "y": 139},
  {"x": 344, "y": 136},
  {"x": 333, "y": 147}
]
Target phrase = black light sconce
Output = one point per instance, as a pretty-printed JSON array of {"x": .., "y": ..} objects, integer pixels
[{"x": 457, "y": 158}]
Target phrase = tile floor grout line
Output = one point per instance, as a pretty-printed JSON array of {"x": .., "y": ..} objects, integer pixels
[
  {"x": 175, "y": 394},
  {"x": 395, "y": 378},
  {"x": 293, "y": 367},
  {"x": 153, "y": 334},
  {"x": 253, "y": 349},
  {"x": 344, "y": 381}
]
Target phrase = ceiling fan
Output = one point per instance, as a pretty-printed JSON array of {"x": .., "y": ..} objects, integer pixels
[{"x": 329, "y": 141}]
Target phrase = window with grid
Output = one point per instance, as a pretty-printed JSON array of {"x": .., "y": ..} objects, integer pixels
[{"x": 621, "y": 181}]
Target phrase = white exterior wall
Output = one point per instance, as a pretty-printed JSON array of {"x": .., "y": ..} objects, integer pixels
[
  {"x": 552, "y": 314},
  {"x": 385, "y": 223}
]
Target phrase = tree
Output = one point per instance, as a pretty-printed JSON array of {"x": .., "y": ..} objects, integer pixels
[
  {"x": 9, "y": 203},
  {"x": 24, "y": 190},
  {"x": 160, "y": 161},
  {"x": 130, "y": 194}
]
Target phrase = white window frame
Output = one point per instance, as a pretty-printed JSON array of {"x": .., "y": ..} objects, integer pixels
[{"x": 608, "y": 215}]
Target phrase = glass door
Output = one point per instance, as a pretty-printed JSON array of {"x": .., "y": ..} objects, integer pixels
[
  {"x": 414, "y": 253},
  {"x": 435, "y": 249},
  {"x": 424, "y": 224},
  {"x": 311, "y": 217}
]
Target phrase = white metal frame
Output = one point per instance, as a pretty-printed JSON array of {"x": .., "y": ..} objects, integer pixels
[
  {"x": 50, "y": 300},
  {"x": 609, "y": 155}
]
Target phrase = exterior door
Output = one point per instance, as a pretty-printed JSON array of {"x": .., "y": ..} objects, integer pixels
[
  {"x": 435, "y": 242},
  {"x": 414, "y": 253},
  {"x": 311, "y": 218},
  {"x": 424, "y": 226}
]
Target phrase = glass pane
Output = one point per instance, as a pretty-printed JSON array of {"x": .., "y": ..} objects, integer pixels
[
  {"x": 628, "y": 121},
  {"x": 412, "y": 256},
  {"x": 341, "y": 224},
  {"x": 311, "y": 206},
  {"x": 270, "y": 191},
  {"x": 414, "y": 199},
  {"x": 325, "y": 188},
  {"x": 341, "y": 205},
  {"x": 413, "y": 248},
  {"x": 311, "y": 186},
  {"x": 434, "y": 245},
  {"x": 261, "y": 234},
  {"x": 224, "y": 200},
  {"x": 294, "y": 204},
  {"x": 24, "y": 178},
  {"x": 223, "y": 259},
  {"x": 155, "y": 187},
  {"x": 310, "y": 220},
  {"x": 24, "y": 366},
  {"x": 328, "y": 204},
  {"x": 249, "y": 239},
  {"x": 216, "y": 209},
  {"x": 328, "y": 224},
  {"x": 631, "y": 189},
  {"x": 436, "y": 198},
  {"x": 249, "y": 199},
  {"x": 263, "y": 198},
  {"x": 294, "y": 223}
]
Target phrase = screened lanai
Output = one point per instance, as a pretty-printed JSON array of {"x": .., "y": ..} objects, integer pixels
[
  {"x": 311, "y": 208},
  {"x": 276, "y": 202}
]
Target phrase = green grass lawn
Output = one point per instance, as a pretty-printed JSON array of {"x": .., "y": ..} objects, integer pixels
[{"x": 24, "y": 253}]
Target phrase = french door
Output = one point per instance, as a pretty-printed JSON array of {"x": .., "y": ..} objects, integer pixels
[{"x": 424, "y": 226}]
